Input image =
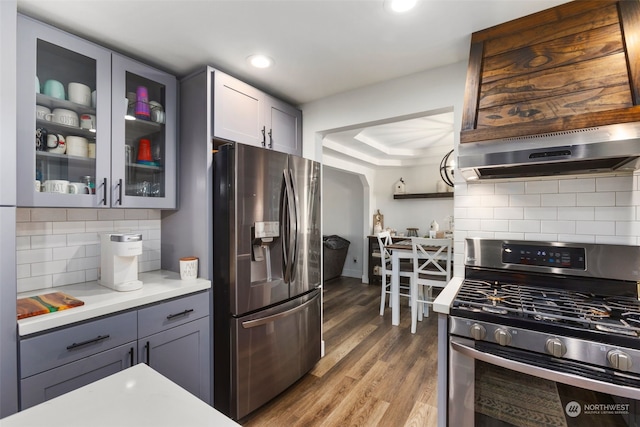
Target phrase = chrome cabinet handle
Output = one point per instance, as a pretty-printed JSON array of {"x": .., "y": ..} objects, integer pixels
[
  {"x": 270, "y": 138},
  {"x": 264, "y": 138}
]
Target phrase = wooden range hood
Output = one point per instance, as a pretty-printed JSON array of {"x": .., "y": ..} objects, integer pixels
[{"x": 563, "y": 81}]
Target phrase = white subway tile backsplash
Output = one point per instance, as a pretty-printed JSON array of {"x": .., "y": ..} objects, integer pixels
[
  {"x": 616, "y": 240},
  {"x": 596, "y": 199},
  {"x": 23, "y": 243},
  {"x": 69, "y": 252},
  {"x": 495, "y": 200},
  {"x": 494, "y": 225},
  {"x": 467, "y": 224},
  {"x": 560, "y": 199},
  {"x": 481, "y": 189},
  {"x": 509, "y": 235},
  {"x": 509, "y": 188},
  {"x": 576, "y": 213},
  {"x": 48, "y": 214},
  {"x": 539, "y": 187},
  {"x": 49, "y": 241},
  {"x": 607, "y": 213},
  {"x": 63, "y": 279},
  {"x": 50, "y": 267},
  {"x": 483, "y": 213},
  {"x": 32, "y": 228},
  {"x": 627, "y": 228},
  {"x": 541, "y": 213},
  {"x": 614, "y": 183},
  {"x": 32, "y": 256},
  {"x": 575, "y": 238},
  {"x": 82, "y": 214},
  {"x": 627, "y": 198},
  {"x": 556, "y": 227},
  {"x": 524, "y": 226},
  {"x": 508, "y": 213},
  {"x": 56, "y": 247},
  {"x": 579, "y": 185},
  {"x": 136, "y": 214},
  {"x": 110, "y": 214},
  {"x": 34, "y": 283},
  {"x": 545, "y": 237},
  {"x": 468, "y": 201},
  {"x": 601, "y": 228},
  {"x": 67, "y": 227},
  {"x": 524, "y": 200}
]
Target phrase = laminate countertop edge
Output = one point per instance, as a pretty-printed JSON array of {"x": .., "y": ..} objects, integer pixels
[
  {"x": 443, "y": 302},
  {"x": 99, "y": 300}
]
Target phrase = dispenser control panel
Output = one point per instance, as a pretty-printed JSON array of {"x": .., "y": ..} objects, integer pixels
[{"x": 266, "y": 229}]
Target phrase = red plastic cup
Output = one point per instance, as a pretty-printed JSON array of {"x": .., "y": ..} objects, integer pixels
[{"x": 144, "y": 150}]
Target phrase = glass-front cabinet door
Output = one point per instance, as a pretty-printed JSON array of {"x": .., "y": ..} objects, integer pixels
[
  {"x": 64, "y": 118},
  {"x": 144, "y": 136}
]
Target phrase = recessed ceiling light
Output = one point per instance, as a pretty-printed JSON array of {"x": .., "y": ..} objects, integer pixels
[
  {"x": 400, "y": 6},
  {"x": 260, "y": 61}
]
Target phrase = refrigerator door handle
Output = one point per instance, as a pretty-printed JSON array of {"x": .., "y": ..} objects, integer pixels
[
  {"x": 289, "y": 228},
  {"x": 269, "y": 319},
  {"x": 293, "y": 226}
]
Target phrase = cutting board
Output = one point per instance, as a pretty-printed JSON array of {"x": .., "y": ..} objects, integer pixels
[{"x": 47, "y": 303}]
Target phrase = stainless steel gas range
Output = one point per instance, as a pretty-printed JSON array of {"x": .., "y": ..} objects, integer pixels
[{"x": 545, "y": 333}]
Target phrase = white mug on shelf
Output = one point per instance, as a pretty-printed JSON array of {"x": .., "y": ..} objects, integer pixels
[
  {"x": 43, "y": 113},
  {"x": 77, "y": 146},
  {"x": 56, "y": 186},
  {"x": 79, "y": 93}
]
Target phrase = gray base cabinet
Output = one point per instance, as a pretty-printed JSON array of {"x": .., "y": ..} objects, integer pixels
[
  {"x": 173, "y": 337},
  {"x": 182, "y": 355},
  {"x": 55, "y": 382}
]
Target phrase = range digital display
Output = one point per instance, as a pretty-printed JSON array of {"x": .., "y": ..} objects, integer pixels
[{"x": 544, "y": 256}]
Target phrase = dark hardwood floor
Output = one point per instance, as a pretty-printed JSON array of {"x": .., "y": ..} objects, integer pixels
[{"x": 372, "y": 374}]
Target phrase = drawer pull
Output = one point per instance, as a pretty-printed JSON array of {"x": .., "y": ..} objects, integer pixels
[
  {"x": 83, "y": 343},
  {"x": 184, "y": 313},
  {"x": 131, "y": 356}
]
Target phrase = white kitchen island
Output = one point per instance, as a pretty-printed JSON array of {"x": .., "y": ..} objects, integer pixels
[{"x": 135, "y": 397}]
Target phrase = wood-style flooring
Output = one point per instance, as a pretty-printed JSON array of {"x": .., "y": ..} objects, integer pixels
[{"x": 372, "y": 374}]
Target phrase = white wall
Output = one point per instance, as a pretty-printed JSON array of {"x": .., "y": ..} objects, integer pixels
[
  {"x": 342, "y": 214},
  {"x": 403, "y": 213},
  {"x": 599, "y": 209}
]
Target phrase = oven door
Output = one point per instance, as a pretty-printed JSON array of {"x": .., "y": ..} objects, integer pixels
[{"x": 490, "y": 385}]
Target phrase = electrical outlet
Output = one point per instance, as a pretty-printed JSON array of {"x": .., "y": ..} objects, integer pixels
[{"x": 355, "y": 260}]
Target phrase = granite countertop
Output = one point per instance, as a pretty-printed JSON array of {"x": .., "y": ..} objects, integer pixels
[
  {"x": 99, "y": 300},
  {"x": 443, "y": 302},
  {"x": 136, "y": 396}
]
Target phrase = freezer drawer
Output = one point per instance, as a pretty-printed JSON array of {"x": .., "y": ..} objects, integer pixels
[{"x": 274, "y": 348}]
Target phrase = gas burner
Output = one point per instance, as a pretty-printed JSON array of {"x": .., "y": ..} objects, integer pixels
[
  {"x": 617, "y": 327},
  {"x": 495, "y": 310}
]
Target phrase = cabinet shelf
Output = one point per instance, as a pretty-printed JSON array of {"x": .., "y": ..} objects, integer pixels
[
  {"x": 65, "y": 129},
  {"x": 48, "y": 155},
  {"x": 51, "y": 103},
  {"x": 423, "y": 196},
  {"x": 139, "y": 128}
]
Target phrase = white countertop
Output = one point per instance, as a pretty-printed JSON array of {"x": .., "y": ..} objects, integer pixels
[
  {"x": 99, "y": 300},
  {"x": 443, "y": 302},
  {"x": 135, "y": 397}
]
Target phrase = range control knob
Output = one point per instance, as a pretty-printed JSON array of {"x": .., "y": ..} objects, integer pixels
[
  {"x": 478, "y": 332},
  {"x": 555, "y": 347},
  {"x": 619, "y": 360},
  {"x": 503, "y": 337}
]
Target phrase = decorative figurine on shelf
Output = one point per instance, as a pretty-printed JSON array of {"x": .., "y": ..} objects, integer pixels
[
  {"x": 400, "y": 187},
  {"x": 378, "y": 222}
]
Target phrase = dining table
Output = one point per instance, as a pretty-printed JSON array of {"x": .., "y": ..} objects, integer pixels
[{"x": 400, "y": 250}]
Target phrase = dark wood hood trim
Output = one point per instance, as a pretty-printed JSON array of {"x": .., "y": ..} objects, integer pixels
[{"x": 630, "y": 23}]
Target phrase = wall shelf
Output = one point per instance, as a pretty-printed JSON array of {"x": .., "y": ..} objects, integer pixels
[{"x": 423, "y": 195}]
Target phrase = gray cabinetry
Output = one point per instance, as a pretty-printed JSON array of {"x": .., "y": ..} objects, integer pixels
[
  {"x": 55, "y": 382},
  {"x": 56, "y": 362},
  {"x": 173, "y": 337},
  {"x": 174, "y": 340},
  {"x": 81, "y": 128},
  {"x": 247, "y": 115}
]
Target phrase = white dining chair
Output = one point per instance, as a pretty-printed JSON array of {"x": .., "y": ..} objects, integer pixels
[
  {"x": 431, "y": 268},
  {"x": 384, "y": 240}
]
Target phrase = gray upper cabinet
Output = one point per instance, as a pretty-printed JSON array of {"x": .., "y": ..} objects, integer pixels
[
  {"x": 143, "y": 148},
  {"x": 71, "y": 135},
  {"x": 244, "y": 114}
]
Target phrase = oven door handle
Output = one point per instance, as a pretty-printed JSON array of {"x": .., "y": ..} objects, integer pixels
[{"x": 566, "y": 378}]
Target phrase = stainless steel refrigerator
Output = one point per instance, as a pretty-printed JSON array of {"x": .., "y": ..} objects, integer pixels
[{"x": 266, "y": 274}]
